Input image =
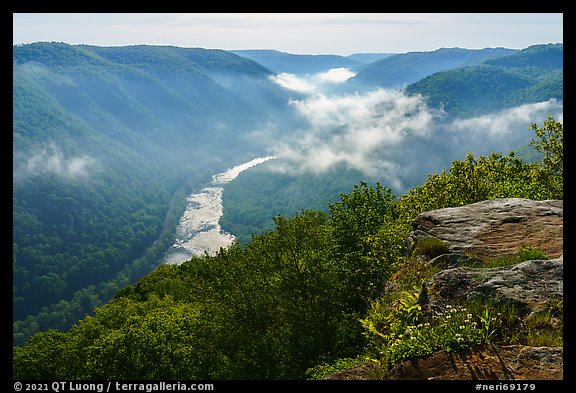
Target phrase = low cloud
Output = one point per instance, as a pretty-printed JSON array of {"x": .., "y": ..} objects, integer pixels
[
  {"x": 361, "y": 131},
  {"x": 293, "y": 82},
  {"x": 335, "y": 75},
  {"x": 50, "y": 160},
  {"x": 502, "y": 131},
  {"x": 314, "y": 83},
  {"x": 397, "y": 138}
]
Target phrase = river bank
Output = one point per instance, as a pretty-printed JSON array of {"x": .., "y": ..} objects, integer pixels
[{"x": 199, "y": 231}]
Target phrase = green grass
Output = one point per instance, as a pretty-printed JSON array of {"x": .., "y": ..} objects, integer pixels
[
  {"x": 526, "y": 253},
  {"x": 431, "y": 247}
]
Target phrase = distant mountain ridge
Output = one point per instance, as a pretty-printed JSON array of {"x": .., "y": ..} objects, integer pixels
[
  {"x": 280, "y": 62},
  {"x": 534, "y": 74},
  {"x": 367, "y": 58},
  {"x": 400, "y": 70}
]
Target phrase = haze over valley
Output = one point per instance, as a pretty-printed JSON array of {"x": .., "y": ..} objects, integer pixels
[{"x": 117, "y": 149}]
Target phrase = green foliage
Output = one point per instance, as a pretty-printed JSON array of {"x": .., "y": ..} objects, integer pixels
[
  {"x": 451, "y": 331},
  {"x": 531, "y": 75},
  {"x": 361, "y": 220},
  {"x": 550, "y": 142},
  {"x": 431, "y": 247},
  {"x": 360, "y": 214},
  {"x": 323, "y": 370},
  {"x": 526, "y": 253},
  {"x": 477, "y": 179},
  {"x": 402, "y": 332},
  {"x": 529, "y": 253},
  {"x": 270, "y": 310},
  {"x": 44, "y": 357},
  {"x": 300, "y": 297}
]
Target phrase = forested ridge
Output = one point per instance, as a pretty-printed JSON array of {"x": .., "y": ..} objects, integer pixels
[
  {"x": 292, "y": 301},
  {"x": 108, "y": 142},
  {"x": 406, "y": 68},
  {"x": 531, "y": 75},
  {"x": 103, "y": 139}
]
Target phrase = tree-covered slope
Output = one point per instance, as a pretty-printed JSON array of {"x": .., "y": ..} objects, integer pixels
[
  {"x": 105, "y": 141},
  {"x": 255, "y": 197},
  {"x": 309, "y": 292},
  {"x": 534, "y": 74},
  {"x": 400, "y": 70}
]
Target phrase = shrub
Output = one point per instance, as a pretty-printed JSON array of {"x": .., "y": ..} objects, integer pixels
[
  {"x": 452, "y": 330},
  {"x": 323, "y": 370},
  {"x": 529, "y": 253}
]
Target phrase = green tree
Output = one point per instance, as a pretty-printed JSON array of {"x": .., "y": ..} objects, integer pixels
[
  {"x": 550, "y": 142},
  {"x": 44, "y": 357},
  {"x": 355, "y": 221},
  {"x": 285, "y": 300}
]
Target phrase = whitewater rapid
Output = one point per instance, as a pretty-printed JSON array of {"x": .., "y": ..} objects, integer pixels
[{"x": 199, "y": 231}]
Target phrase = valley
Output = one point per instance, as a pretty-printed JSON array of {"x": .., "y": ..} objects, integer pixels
[{"x": 116, "y": 150}]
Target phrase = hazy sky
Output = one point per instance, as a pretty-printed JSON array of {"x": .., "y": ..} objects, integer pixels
[{"x": 299, "y": 33}]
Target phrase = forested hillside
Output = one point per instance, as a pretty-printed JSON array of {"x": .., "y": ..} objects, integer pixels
[
  {"x": 255, "y": 197},
  {"x": 533, "y": 74},
  {"x": 107, "y": 143},
  {"x": 400, "y": 70},
  {"x": 298, "y": 299}
]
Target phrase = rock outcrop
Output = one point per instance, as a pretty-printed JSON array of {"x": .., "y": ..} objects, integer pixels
[
  {"x": 530, "y": 286},
  {"x": 495, "y": 363},
  {"x": 494, "y": 228},
  {"x": 475, "y": 233},
  {"x": 510, "y": 362}
]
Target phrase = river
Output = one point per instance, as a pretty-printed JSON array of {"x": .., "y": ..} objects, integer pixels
[{"x": 199, "y": 230}]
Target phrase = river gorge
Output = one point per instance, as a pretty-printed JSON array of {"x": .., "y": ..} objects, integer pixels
[{"x": 199, "y": 230}]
